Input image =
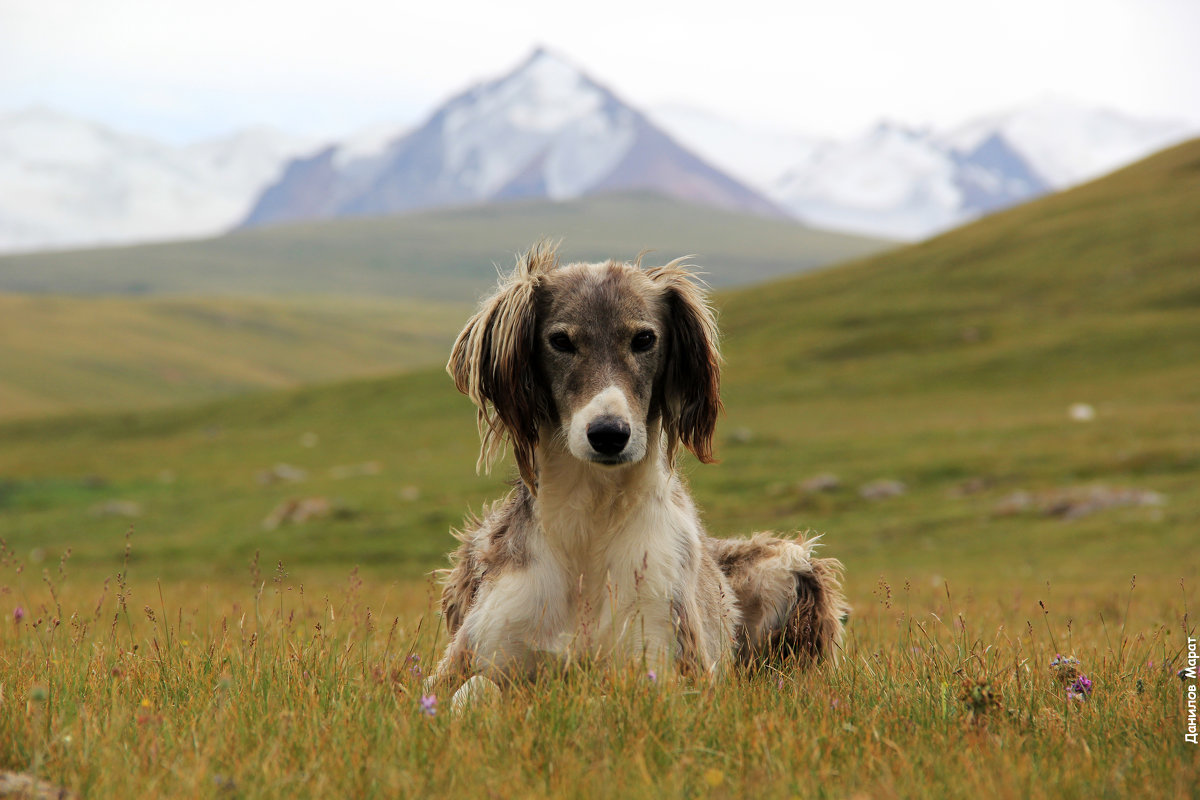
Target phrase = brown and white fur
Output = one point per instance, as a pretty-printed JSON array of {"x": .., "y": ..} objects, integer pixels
[{"x": 596, "y": 374}]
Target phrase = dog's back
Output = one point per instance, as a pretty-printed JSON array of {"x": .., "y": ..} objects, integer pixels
[{"x": 791, "y": 603}]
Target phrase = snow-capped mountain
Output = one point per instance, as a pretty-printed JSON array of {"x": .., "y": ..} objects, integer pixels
[
  {"x": 907, "y": 183},
  {"x": 69, "y": 182},
  {"x": 544, "y": 130}
]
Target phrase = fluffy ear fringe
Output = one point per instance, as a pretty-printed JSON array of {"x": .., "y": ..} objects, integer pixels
[
  {"x": 692, "y": 382},
  {"x": 492, "y": 363}
]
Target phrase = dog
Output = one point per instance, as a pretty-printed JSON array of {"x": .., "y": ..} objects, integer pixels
[{"x": 597, "y": 374}]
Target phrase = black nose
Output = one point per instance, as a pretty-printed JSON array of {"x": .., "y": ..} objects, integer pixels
[{"x": 608, "y": 435}]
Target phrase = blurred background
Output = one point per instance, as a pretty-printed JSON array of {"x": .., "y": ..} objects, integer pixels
[{"x": 955, "y": 250}]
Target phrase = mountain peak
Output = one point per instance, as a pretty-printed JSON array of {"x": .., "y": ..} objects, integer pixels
[
  {"x": 544, "y": 78},
  {"x": 542, "y": 56}
]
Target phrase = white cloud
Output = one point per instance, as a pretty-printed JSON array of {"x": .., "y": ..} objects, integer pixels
[{"x": 185, "y": 69}]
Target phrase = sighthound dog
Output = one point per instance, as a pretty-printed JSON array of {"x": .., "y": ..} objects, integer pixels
[{"x": 596, "y": 374}]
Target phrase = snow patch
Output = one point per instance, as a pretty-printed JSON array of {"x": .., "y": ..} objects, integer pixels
[{"x": 367, "y": 144}]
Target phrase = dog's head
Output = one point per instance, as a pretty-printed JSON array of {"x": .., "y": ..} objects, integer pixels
[{"x": 608, "y": 356}]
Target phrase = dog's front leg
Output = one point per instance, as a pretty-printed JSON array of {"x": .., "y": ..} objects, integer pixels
[
  {"x": 513, "y": 629},
  {"x": 455, "y": 664}
]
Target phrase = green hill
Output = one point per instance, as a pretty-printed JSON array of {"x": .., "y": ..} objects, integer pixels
[
  {"x": 439, "y": 255},
  {"x": 949, "y": 366},
  {"x": 60, "y": 353}
]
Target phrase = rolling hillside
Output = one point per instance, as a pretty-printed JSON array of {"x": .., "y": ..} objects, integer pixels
[
  {"x": 949, "y": 366},
  {"x": 443, "y": 255},
  {"x": 61, "y": 353}
]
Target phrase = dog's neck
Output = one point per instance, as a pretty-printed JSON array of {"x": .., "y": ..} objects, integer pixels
[{"x": 580, "y": 506}]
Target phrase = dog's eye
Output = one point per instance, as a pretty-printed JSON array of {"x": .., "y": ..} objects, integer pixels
[
  {"x": 643, "y": 341},
  {"x": 562, "y": 343}
]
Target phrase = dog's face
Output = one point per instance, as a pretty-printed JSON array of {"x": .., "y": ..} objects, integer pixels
[
  {"x": 606, "y": 357},
  {"x": 600, "y": 348}
]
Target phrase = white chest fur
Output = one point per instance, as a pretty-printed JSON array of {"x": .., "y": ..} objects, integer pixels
[{"x": 607, "y": 561}]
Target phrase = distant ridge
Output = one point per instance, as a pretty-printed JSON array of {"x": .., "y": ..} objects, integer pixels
[{"x": 445, "y": 254}]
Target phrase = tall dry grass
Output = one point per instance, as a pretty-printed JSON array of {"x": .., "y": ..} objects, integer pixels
[{"x": 271, "y": 687}]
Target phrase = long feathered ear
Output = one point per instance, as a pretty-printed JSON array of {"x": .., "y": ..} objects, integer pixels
[
  {"x": 492, "y": 362},
  {"x": 691, "y": 380}
]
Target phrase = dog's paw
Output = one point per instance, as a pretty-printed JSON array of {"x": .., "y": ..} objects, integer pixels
[{"x": 478, "y": 691}]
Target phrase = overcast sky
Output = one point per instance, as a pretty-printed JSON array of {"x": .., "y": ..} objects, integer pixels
[{"x": 189, "y": 69}]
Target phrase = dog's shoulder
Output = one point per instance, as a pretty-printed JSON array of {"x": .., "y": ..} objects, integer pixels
[{"x": 489, "y": 544}]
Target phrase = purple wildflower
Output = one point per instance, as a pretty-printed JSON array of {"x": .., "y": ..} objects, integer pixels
[
  {"x": 429, "y": 705},
  {"x": 653, "y": 676},
  {"x": 1081, "y": 689},
  {"x": 18, "y": 614}
]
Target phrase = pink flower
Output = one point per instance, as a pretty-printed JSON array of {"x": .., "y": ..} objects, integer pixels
[
  {"x": 429, "y": 705},
  {"x": 18, "y": 614}
]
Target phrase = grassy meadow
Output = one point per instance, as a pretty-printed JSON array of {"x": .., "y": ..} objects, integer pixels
[{"x": 172, "y": 627}]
